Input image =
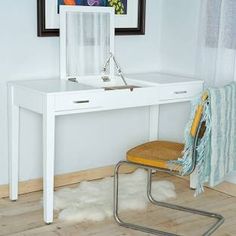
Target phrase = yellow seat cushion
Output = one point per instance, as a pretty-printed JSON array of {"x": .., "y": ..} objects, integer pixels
[{"x": 156, "y": 153}]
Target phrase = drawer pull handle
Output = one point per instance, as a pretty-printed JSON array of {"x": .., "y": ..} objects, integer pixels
[
  {"x": 180, "y": 92},
  {"x": 82, "y": 101}
]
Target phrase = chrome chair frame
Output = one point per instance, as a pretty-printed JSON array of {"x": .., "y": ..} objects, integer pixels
[{"x": 213, "y": 228}]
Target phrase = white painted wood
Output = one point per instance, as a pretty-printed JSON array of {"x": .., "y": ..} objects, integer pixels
[
  {"x": 79, "y": 111},
  {"x": 78, "y": 101},
  {"x": 13, "y": 135},
  {"x": 48, "y": 157},
  {"x": 29, "y": 99},
  {"x": 59, "y": 97},
  {"x": 63, "y": 70},
  {"x": 180, "y": 91},
  {"x": 164, "y": 78},
  {"x": 171, "y": 101},
  {"x": 112, "y": 39},
  {"x": 153, "y": 122},
  {"x": 64, "y": 10},
  {"x": 107, "y": 100},
  {"x": 55, "y": 86},
  {"x": 125, "y": 98},
  {"x": 96, "y": 82}
]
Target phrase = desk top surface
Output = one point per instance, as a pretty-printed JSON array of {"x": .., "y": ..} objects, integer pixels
[
  {"x": 54, "y": 85},
  {"x": 57, "y": 85},
  {"x": 163, "y": 78}
]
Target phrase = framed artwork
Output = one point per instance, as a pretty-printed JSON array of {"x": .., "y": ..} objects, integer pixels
[{"x": 129, "y": 19}]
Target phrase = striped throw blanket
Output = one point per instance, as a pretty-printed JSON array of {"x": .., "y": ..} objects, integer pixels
[
  {"x": 223, "y": 133},
  {"x": 216, "y": 152}
]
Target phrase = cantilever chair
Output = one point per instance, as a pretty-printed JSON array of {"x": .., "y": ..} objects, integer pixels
[{"x": 155, "y": 156}]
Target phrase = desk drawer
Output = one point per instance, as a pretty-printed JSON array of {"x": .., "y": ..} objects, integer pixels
[
  {"x": 180, "y": 91},
  {"x": 77, "y": 101}
]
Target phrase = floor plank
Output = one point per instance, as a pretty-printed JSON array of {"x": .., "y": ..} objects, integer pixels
[{"x": 24, "y": 217}]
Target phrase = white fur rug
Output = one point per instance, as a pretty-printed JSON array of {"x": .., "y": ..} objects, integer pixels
[{"x": 94, "y": 200}]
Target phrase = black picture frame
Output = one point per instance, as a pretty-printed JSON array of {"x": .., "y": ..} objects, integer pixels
[{"x": 139, "y": 30}]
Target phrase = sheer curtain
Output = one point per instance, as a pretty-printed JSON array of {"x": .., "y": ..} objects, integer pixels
[
  {"x": 217, "y": 42},
  {"x": 216, "y": 62},
  {"x": 88, "y": 42}
]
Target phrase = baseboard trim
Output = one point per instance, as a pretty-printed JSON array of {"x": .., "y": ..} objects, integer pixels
[
  {"x": 65, "y": 179},
  {"x": 225, "y": 187},
  {"x": 231, "y": 178}
]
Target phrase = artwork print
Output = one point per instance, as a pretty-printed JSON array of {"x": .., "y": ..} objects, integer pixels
[
  {"x": 129, "y": 18},
  {"x": 119, "y": 5}
]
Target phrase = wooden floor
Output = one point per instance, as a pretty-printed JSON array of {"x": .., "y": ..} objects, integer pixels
[{"x": 24, "y": 217}]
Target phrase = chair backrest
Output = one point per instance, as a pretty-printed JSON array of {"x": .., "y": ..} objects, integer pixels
[
  {"x": 198, "y": 115},
  {"x": 197, "y": 130}
]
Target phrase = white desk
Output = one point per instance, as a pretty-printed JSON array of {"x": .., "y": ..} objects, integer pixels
[{"x": 52, "y": 98}]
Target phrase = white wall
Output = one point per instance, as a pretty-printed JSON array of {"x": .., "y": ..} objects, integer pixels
[
  {"x": 179, "y": 27},
  {"x": 179, "y": 35},
  {"x": 83, "y": 140}
]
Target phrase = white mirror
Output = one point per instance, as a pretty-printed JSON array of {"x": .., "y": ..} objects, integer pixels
[{"x": 86, "y": 40}]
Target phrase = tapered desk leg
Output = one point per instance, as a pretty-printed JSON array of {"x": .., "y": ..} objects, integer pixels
[
  {"x": 154, "y": 123},
  {"x": 13, "y": 142},
  {"x": 48, "y": 158}
]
